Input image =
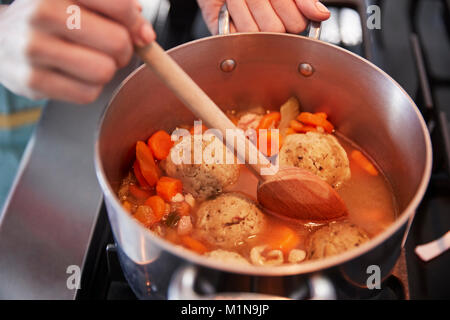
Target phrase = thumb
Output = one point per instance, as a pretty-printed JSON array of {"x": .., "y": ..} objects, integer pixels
[
  {"x": 313, "y": 9},
  {"x": 210, "y": 12}
]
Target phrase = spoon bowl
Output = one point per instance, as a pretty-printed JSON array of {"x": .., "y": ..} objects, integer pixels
[{"x": 297, "y": 194}]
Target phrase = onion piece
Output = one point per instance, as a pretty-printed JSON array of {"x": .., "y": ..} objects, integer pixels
[
  {"x": 259, "y": 257},
  {"x": 289, "y": 111},
  {"x": 296, "y": 256},
  {"x": 184, "y": 226}
]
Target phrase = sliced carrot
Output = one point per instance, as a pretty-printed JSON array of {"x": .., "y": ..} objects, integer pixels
[
  {"x": 158, "y": 206},
  {"x": 363, "y": 162},
  {"x": 295, "y": 125},
  {"x": 194, "y": 244},
  {"x": 306, "y": 129},
  {"x": 289, "y": 131},
  {"x": 321, "y": 114},
  {"x": 301, "y": 128},
  {"x": 203, "y": 129},
  {"x": 147, "y": 164},
  {"x": 160, "y": 143},
  {"x": 138, "y": 193},
  {"x": 315, "y": 120},
  {"x": 172, "y": 235},
  {"x": 284, "y": 239},
  {"x": 140, "y": 178},
  {"x": 265, "y": 138},
  {"x": 146, "y": 216},
  {"x": 269, "y": 120},
  {"x": 168, "y": 187}
]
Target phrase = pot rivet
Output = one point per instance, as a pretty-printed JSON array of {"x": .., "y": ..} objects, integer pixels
[
  {"x": 228, "y": 65},
  {"x": 306, "y": 69}
]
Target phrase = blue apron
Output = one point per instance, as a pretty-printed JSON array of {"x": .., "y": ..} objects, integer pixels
[{"x": 18, "y": 117}]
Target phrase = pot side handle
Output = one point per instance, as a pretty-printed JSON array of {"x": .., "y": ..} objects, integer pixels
[{"x": 224, "y": 24}]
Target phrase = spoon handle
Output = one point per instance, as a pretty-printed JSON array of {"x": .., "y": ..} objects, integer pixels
[{"x": 171, "y": 74}]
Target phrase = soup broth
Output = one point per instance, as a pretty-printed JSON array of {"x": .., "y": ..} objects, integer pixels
[{"x": 367, "y": 195}]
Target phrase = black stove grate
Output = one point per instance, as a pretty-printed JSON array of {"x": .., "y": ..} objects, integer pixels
[{"x": 430, "y": 43}]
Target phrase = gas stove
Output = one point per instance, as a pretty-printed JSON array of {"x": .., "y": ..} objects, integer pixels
[{"x": 45, "y": 229}]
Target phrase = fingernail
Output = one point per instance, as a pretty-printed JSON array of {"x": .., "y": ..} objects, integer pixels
[
  {"x": 138, "y": 5},
  {"x": 147, "y": 33},
  {"x": 321, "y": 7}
]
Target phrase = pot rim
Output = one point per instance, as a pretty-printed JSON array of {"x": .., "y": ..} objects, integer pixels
[{"x": 283, "y": 270}]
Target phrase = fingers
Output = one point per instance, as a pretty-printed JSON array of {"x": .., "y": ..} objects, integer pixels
[
  {"x": 57, "y": 61},
  {"x": 275, "y": 15},
  {"x": 313, "y": 9},
  {"x": 53, "y": 84},
  {"x": 210, "y": 12},
  {"x": 265, "y": 16},
  {"x": 232, "y": 27},
  {"x": 78, "y": 62},
  {"x": 287, "y": 11},
  {"x": 96, "y": 32},
  {"x": 126, "y": 12},
  {"x": 103, "y": 35},
  {"x": 242, "y": 18}
]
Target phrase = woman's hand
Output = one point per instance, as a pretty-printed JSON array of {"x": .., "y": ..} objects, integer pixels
[
  {"x": 41, "y": 57},
  {"x": 265, "y": 15}
]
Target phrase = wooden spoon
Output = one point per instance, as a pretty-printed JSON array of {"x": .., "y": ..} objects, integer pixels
[{"x": 291, "y": 192}]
